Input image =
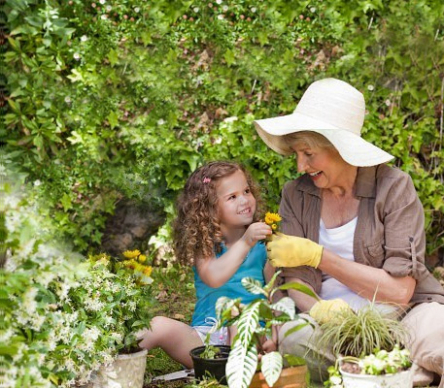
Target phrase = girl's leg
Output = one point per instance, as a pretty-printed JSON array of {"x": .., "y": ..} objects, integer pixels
[{"x": 174, "y": 337}]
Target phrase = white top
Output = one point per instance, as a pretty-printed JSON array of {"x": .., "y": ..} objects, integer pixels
[{"x": 340, "y": 241}]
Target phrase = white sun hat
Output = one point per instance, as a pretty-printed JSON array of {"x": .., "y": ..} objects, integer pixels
[{"x": 334, "y": 109}]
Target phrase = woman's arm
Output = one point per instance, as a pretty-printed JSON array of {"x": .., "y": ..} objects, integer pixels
[
  {"x": 368, "y": 282},
  {"x": 215, "y": 272}
]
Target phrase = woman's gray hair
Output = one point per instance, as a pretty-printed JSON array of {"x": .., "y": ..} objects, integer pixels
[{"x": 312, "y": 139}]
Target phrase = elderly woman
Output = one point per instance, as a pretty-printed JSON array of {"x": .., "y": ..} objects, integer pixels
[{"x": 354, "y": 227}]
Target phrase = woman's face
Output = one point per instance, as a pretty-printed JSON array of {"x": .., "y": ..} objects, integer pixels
[
  {"x": 325, "y": 166},
  {"x": 236, "y": 203}
]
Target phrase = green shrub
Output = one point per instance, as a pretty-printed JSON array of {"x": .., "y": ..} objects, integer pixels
[{"x": 113, "y": 99}]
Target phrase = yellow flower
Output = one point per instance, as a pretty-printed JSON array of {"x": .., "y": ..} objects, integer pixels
[
  {"x": 131, "y": 254},
  {"x": 147, "y": 270},
  {"x": 142, "y": 258},
  {"x": 271, "y": 218},
  {"x": 274, "y": 226}
]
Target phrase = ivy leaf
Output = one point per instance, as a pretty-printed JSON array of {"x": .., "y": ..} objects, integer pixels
[
  {"x": 113, "y": 119},
  {"x": 271, "y": 367},
  {"x": 229, "y": 57},
  {"x": 66, "y": 202},
  {"x": 113, "y": 57}
]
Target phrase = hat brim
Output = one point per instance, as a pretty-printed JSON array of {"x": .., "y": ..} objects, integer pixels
[{"x": 352, "y": 148}]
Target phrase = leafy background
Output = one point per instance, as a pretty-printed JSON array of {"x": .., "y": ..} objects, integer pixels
[{"x": 117, "y": 99}]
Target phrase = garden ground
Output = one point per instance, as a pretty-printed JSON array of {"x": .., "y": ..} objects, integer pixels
[{"x": 175, "y": 294}]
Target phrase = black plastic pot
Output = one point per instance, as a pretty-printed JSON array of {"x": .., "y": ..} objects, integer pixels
[{"x": 215, "y": 367}]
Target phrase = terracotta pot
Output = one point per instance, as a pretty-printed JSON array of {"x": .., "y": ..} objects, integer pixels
[
  {"x": 126, "y": 371},
  {"x": 291, "y": 377},
  {"x": 397, "y": 380}
]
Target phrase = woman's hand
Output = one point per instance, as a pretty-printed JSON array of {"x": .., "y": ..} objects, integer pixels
[
  {"x": 290, "y": 251},
  {"x": 256, "y": 232}
]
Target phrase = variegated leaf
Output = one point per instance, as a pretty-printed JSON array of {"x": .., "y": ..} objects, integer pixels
[
  {"x": 247, "y": 323},
  {"x": 285, "y": 305},
  {"x": 270, "y": 284},
  {"x": 224, "y": 303},
  {"x": 271, "y": 367},
  {"x": 241, "y": 365},
  {"x": 254, "y": 286}
]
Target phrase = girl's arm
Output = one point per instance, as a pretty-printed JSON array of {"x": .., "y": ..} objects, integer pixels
[
  {"x": 216, "y": 272},
  {"x": 268, "y": 272}
]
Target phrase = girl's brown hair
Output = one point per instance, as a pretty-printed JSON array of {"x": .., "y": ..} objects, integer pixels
[{"x": 196, "y": 229}]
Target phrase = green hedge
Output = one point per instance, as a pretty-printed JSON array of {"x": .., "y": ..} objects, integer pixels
[{"x": 123, "y": 98}]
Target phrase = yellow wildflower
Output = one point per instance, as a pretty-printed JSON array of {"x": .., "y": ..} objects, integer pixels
[
  {"x": 147, "y": 270},
  {"x": 271, "y": 218},
  {"x": 131, "y": 254},
  {"x": 142, "y": 258},
  {"x": 274, "y": 226}
]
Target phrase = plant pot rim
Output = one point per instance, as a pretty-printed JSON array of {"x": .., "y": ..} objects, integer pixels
[
  {"x": 195, "y": 353},
  {"x": 363, "y": 376},
  {"x": 139, "y": 353}
]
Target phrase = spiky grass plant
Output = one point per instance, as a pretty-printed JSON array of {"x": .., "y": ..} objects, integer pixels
[{"x": 359, "y": 333}]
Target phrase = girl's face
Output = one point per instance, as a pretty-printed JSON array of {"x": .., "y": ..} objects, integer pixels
[
  {"x": 236, "y": 203},
  {"x": 324, "y": 165}
]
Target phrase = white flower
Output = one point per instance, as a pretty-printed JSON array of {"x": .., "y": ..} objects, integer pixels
[
  {"x": 313, "y": 9},
  {"x": 76, "y": 56},
  {"x": 137, "y": 10},
  {"x": 109, "y": 8},
  {"x": 231, "y": 119},
  {"x": 254, "y": 9},
  {"x": 104, "y": 17},
  {"x": 388, "y": 102},
  {"x": 102, "y": 1},
  {"x": 219, "y": 1},
  {"x": 220, "y": 16},
  {"x": 370, "y": 87},
  {"x": 145, "y": 100},
  {"x": 160, "y": 122},
  {"x": 84, "y": 38},
  {"x": 37, "y": 183},
  {"x": 225, "y": 8},
  {"x": 196, "y": 9},
  {"x": 68, "y": 101}
]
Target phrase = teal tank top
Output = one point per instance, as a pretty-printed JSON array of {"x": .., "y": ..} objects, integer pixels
[{"x": 252, "y": 266}]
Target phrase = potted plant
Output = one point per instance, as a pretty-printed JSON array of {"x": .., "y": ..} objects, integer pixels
[
  {"x": 254, "y": 321},
  {"x": 130, "y": 312},
  {"x": 367, "y": 344},
  {"x": 210, "y": 361}
]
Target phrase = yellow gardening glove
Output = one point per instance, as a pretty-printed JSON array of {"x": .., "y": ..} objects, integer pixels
[
  {"x": 290, "y": 251},
  {"x": 328, "y": 310}
]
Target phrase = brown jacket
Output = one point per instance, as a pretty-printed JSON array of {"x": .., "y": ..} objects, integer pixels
[{"x": 389, "y": 233}]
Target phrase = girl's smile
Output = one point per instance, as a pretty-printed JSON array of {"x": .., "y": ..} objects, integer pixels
[{"x": 236, "y": 203}]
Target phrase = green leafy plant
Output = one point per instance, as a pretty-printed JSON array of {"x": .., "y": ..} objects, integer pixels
[
  {"x": 358, "y": 333},
  {"x": 255, "y": 321},
  {"x": 378, "y": 363},
  {"x": 62, "y": 316}
]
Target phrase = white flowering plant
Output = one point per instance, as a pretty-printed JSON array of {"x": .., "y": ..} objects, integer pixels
[
  {"x": 62, "y": 316},
  {"x": 378, "y": 363}
]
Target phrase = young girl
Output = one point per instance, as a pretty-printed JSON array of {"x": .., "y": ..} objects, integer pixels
[{"x": 216, "y": 230}]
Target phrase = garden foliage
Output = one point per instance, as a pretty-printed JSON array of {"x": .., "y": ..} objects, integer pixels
[
  {"x": 62, "y": 316},
  {"x": 124, "y": 98}
]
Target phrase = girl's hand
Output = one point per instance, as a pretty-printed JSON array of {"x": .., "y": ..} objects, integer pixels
[{"x": 256, "y": 232}]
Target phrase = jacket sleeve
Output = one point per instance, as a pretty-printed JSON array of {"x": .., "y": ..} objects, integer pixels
[
  {"x": 290, "y": 209},
  {"x": 404, "y": 230}
]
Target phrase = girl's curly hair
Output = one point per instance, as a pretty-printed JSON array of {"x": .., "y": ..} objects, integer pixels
[{"x": 196, "y": 229}]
